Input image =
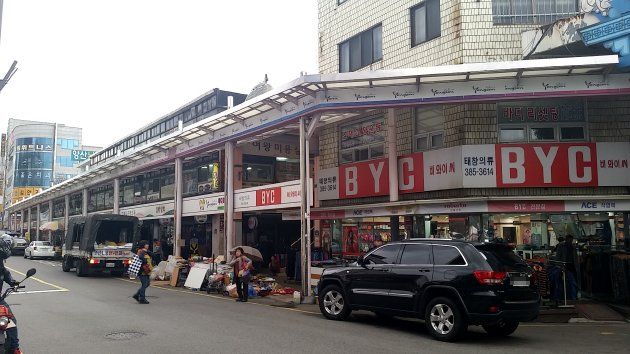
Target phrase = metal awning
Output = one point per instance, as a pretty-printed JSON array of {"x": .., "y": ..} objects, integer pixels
[{"x": 271, "y": 112}]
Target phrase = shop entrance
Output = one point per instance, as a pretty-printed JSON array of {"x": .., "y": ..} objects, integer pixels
[
  {"x": 273, "y": 237},
  {"x": 159, "y": 233},
  {"x": 197, "y": 236}
]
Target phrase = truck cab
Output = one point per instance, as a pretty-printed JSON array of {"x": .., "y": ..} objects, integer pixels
[{"x": 99, "y": 243}]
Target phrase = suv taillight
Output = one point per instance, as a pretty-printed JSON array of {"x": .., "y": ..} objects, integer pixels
[{"x": 488, "y": 277}]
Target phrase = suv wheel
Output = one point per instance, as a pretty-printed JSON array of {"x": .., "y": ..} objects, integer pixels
[
  {"x": 66, "y": 264},
  {"x": 333, "y": 304},
  {"x": 444, "y": 320},
  {"x": 501, "y": 329}
]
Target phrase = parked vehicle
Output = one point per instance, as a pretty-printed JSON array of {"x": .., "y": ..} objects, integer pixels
[
  {"x": 18, "y": 243},
  {"x": 99, "y": 243},
  {"x": 39, "y": 249},
  {"x": 6, "y": 317},
  {"x": 449, "y": 283}
]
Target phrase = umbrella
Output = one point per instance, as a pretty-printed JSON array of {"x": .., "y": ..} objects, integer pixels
[
  {"x": 251, "y": 253},
  {"x": 50, "y": 226}
]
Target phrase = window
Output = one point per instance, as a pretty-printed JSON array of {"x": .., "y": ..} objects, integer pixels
[
  {"x": 361, "y": 50},
  {"x": 425, "y": 22},
  {"x": 339, "y": 2},
  {"x": 416, "y": 254},
  {"x": 447, "y": 255},
  {"x": 384, "y": 255},
  {"x": 541, "y": 120},
  {"x": 362, "y": 140},
  {"x": 428, "y": 130},
  {"x": 509, "y": 12}
]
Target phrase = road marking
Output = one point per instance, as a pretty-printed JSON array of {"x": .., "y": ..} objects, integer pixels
[
  {"x": 60, "y": 288},
  {"x": 40, "y": 291},
  {"x": 50, "y": 263},
  {"x": 221, "y": 297}
]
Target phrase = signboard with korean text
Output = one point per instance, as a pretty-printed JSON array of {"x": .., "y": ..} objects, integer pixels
[
  {"x": 597, "y": 205},
  {"x": 150, "y": 211},
  {"x": 273, "y": 196},
  {"x": 484, "y": 166},
  {"x": 288, "y": 149},
  {"x": 80, "y": 155},
  {"x": 203, "y": 204},
  {"x": 541, "y": 111},
  {"x": 362, "y": 133}
]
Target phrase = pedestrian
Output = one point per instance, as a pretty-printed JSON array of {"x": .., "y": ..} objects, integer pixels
[
  {"x": 144, "y": 272},
  {"x": 241, "y": 266}
]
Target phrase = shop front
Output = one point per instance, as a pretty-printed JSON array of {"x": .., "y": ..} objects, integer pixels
[
  {"x": 271, "y": 223},
  {"x": 203, "y": 226},
  {"x": 156, "y": 225}
]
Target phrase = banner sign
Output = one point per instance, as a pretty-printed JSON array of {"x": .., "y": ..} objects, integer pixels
[
  {"x": 150, "y": 211},
  {"x": 273, "y": 196},
  {"x": 541, "y": 111},
  {"x": 484, "y": 166},
  {"x": 203, "y": 204},
  {"x": 80, "y": 155}
]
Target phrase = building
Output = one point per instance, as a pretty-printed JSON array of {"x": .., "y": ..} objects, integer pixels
[
  {"x": 39, "y": 155},
  {"x": 418, "y": 136}
]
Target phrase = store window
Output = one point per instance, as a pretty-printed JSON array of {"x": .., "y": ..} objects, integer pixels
[
  {"x": 202, "y": 175},
  {"x": 101, "y": 198},
  {"x": 542, "y": 120},
  {"x": 76, "y": 204},
  {"x": 428, "y": 128},
  {"x": 149, "y": 187},
  {"x": 59, "y": 208},
  {"x": 447, "y": 255},
  {"x": 363, "y": 140},
  {"x": 361, "y": 50},
  {"x": 384, "y": 255},
  {"x": 510, "y": 12},
  {"x": 425, "y": 22}
]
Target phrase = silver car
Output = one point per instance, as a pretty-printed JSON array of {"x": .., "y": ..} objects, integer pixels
[{"x": 39, "y": 249}]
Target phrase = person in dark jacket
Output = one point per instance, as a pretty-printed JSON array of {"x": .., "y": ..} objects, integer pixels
[
  {"x": 13, "y": 342},
  {"x": 145, "y": 271}
]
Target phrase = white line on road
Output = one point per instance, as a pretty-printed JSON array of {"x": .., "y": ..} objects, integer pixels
[
  {"x": 40, "y": 291},
  {"x": 50, "y": 263},
  {"x": 39, "y": 280}
]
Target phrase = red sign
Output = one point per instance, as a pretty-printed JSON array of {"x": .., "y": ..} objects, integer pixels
[
  {"x": 364, "y": 179},
  {"x": 411, "y": 173},
  {"x": 271, "y": 196},
  {"x": 525, "y": 206},
  {"x": 548, "y": 164}
]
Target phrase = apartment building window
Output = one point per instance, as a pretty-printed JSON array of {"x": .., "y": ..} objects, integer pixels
[
  {"x": 364, "y": 140},
  {"x": 425, "y": 22},
  {"x": 361, "y": 50},
  {"x": 540, "y": 121},
  {"x": 511, "y": 12},
  {"x": 428, "y": 128}
]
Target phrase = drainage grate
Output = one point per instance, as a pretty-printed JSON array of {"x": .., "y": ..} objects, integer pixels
[{"x": 124, "y": 335}]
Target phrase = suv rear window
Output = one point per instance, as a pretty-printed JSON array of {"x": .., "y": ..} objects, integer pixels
[
  {"x": 447, "y": 255},
  {"x": 502, "y": 258}
]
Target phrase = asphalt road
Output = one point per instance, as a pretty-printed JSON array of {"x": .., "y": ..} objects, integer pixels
[{"x": 61, "y": 313}]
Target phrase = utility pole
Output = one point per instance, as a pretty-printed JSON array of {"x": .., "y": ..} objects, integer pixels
[{"x": 13, "y": 67}]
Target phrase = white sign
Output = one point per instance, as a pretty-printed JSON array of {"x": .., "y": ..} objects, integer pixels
[
  {"x": 443, "y": 169},
  {"x": 328, "y": 184},
  {"x": 597, "y": 205},
  {"x": 203, "y": 204},
  {"x": 613, "y": 164},
  {"x": 453, "y": 208},
  {"x": 150, "y": 211},
  {"x": 479, "y": 166},
  {"x": 272, "y": 196}
]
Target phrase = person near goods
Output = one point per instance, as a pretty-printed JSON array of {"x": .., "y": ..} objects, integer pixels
[
  {"x": 241, "y": 266},
  {"x": 144, "y": 272},
  {"x": 13, "y": 343}
]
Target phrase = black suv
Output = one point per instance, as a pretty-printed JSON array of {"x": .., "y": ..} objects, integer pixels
[{"x": 450, "y": 284}]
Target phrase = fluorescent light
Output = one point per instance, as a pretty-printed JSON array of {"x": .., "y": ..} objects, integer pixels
[
  {"x": 249, "y": 168},
  {"x": 281, "y": 158}
]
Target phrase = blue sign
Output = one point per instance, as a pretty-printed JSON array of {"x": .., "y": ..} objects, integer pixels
[
  {"x": 606, "y": 31},
  {"x": 613, "y": 32}
]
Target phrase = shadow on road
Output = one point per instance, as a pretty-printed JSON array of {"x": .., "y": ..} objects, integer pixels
[{"x": 474, "y": 334}]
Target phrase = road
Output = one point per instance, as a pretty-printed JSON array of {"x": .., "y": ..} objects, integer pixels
[{"x": 61, "y": 313}]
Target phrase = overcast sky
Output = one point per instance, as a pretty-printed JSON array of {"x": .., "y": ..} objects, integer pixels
[{"x": 111, "y": 66}]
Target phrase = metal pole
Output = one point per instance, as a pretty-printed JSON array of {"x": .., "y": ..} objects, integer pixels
[
  {"x": 116, "y": 195},
  {"x": 66, "y": 214},
  {"x": 179, "y": 165},
  {"x": 30, "y": 237},
  {"x": 303, "y": 256},
  {"x": 50, "y": 218},
  {"x": 229, "y": 197},
  {"x": 85, "y": 202},
  {"x": 392, "y": 157},
  {"x": 37, "y": 222},
  {"x": 307, "y": 215}
]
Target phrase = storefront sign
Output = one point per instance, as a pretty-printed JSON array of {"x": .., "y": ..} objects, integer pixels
[
  {"x": 452, "y": 208},
  {"x": 484, "y": 166},
  {"x": 552, "y": 111},
  {"x": 80, "y": 155},
  {"x": 525, "y": 206},
  {"x": 150, "y": 211},
  {"x": 597, "y": 205},
  {"x": 361, "y": 133},
  {"x": 272, "y": 148},
  {"x": 275, "y": 196},
  {"x": 203, "y": 204}
]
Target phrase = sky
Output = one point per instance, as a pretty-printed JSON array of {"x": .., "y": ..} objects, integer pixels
[{"x": 113, "y": 66}]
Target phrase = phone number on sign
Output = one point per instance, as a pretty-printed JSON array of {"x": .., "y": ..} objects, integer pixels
[{"x": 479, "y": 171}]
